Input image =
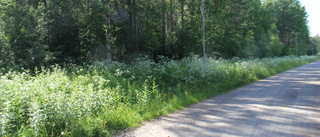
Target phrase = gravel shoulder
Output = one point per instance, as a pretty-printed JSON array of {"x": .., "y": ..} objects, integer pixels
[{"x": 287, "y": 105}]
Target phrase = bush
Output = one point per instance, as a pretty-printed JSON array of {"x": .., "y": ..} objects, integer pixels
[{"x": 103, "y": 98}]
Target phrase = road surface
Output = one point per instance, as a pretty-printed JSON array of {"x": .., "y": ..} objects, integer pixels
[{"x": 285, "y": 105}]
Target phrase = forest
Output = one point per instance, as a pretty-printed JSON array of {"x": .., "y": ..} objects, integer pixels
[
  {"x": 91, "y": 68},
  {"x": 35, "y": 33}
]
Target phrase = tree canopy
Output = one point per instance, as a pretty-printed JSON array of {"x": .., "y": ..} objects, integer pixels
[{"x": 34, "y": 33}]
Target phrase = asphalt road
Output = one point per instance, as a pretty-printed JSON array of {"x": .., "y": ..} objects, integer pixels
[{"x": 284, "y": 105}]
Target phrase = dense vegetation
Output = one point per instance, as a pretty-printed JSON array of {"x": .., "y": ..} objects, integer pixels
[
  {"x": 315, "y": 44},
  {"x": 99, "y": 99},
  {"x": 45, "y": 32},
  {"x": 94, "y": 67}
]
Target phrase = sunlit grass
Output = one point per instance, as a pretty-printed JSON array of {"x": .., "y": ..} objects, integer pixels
[{"x": 104, "y": 98}]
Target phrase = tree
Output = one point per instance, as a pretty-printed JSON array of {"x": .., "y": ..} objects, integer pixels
[
  {"x": 291, "y": 19},
  {"x": 43, "y": 32},
  {"x": 315, "y": 43},
  {"x": 25, "y": 41}
]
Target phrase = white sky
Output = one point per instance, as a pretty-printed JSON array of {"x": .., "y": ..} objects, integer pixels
[{"x": 313, "y": 10}]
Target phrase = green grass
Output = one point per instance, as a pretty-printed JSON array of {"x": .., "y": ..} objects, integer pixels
[{"x": 105, "y": 98}]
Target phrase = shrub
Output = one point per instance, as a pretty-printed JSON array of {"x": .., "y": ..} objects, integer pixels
[{"x": 100, "y": 99}]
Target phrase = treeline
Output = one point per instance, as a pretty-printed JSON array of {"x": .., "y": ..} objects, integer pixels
[
  {"x": 43, "y": 32},
  {"x": 315, "y": 42}
]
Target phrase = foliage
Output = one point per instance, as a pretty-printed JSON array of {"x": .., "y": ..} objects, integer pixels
[
  {"x": 315, "y": 44},
  {"x": 291, "y": 19},
  {"x": 36, "y": 33},
  {"x": 100, "y": 99}
]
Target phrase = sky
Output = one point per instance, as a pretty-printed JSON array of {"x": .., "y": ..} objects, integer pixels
[{"x": 313, "y": 10}]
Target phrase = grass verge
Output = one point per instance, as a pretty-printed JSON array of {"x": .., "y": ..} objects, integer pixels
[{"x": 105, "y": 98}]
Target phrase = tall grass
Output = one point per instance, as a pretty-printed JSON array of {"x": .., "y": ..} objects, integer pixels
[{"x": 103, "y": 98}]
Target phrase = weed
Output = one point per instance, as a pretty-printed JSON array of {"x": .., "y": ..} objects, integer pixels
[{"x": 103, "y": 98}]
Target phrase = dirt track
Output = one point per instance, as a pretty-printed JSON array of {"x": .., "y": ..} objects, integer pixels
[{"x": 286, "y": 105}]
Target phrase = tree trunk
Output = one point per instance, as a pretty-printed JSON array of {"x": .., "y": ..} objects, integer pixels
[
  {"x": 135, "y": 29},
  {"x": 108, "y": 35},
  {"x": 182, "y": 14},
  {"x": 164, "y": 29}
]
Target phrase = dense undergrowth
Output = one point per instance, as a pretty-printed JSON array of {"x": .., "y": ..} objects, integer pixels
[{"x": 103, "y": 98}]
